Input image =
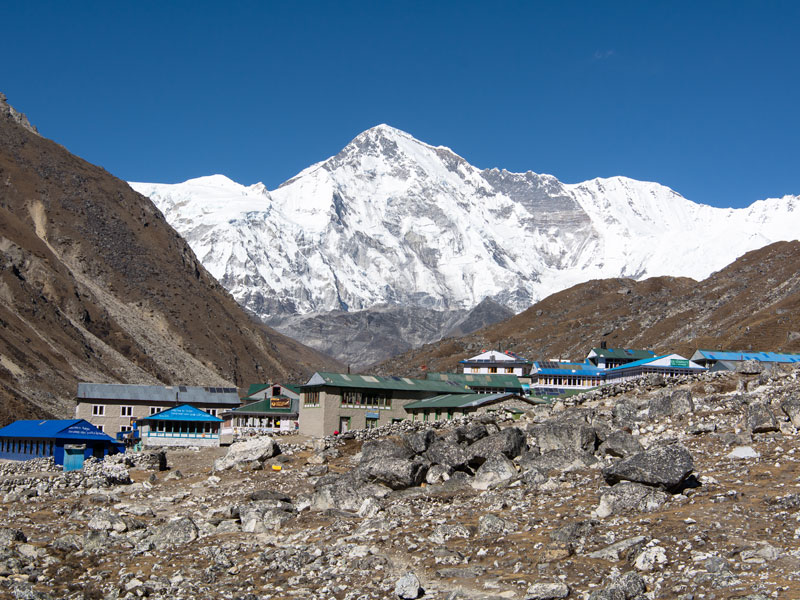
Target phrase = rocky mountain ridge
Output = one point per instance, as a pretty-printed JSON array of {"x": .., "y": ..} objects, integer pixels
[
  {"x": 96, "y": 286},
  {"x": 682, "y": 489},
  {"x": 752, "y": 304},
  {"x": 390, "y": 221}
]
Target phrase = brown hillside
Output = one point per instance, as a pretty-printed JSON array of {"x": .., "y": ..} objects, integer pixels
[
  {"x": 754, "y": 303},
  {"x": 96, "y": 286}
]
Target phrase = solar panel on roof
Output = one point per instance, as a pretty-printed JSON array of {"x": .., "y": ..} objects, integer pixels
[
  {"x": 182, "y": 388},
  {"x": 369, "y": 378}
]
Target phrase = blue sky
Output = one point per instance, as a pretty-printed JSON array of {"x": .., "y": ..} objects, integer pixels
[{"x": 700, "y": 96}]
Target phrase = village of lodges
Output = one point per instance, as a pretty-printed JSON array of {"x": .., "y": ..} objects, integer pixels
[{"x": 111, "y": 418}]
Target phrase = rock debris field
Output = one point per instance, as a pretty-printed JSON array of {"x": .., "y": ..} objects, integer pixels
[{"x": 687, "y": 490}]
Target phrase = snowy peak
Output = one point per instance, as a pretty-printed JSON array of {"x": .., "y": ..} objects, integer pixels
[{"x": 391, "y": 220}]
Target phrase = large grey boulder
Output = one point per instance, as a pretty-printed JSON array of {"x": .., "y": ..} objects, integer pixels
[
  {"x": 759, "y": 418},
  {"x": 494, "y": 470},
  {"x": 629, "y": 497},
  {"x": 621, "y": 444},
  {"x": 564, "y": 436},
  {"x": 749, "y": 367},
  {"x": 469, "y": 434},
  {"x": 672, "y": 404},
  {"x": 379, "y": 449},
  {"x": 509, "y": 442},
  {"x": 665, "y": 467},
  {"x": 263, "y": 515},
  {"x": 449, "y": 455},
  {"x": 152, "y": 460},
  {"x": 556, "y": 460},
  {"x": 250, "y": 451},
  {"x": 396, "y": 473},
  {"x": 419, "y": 441},
  {"x": 177, "y": 532}
]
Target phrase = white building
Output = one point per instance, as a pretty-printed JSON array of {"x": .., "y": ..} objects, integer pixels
[{"x": 497, "y": 362}]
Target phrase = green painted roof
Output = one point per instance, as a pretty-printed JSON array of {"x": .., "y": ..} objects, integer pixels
[
  {"x": 479, "y": 379},
  {"x": 256, "y": 387},
  {"x": 459, "y": 401},
  {"x": 263, "y": 407},
  {"x": 347, "y": 380}
]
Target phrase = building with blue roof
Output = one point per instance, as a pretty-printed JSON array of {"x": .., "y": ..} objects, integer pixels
[
  {"x": 183, "y": 425},
  {"x": 727, "y": 360},
  {"x": 68, "y": 441}
]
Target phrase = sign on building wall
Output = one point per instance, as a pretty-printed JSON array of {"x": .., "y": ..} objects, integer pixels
[
  {"x": 280, "y": 402},
  {"x": 675, "y": 362}
]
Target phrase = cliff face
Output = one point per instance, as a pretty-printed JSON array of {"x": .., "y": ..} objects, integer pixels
[{"x": 95, "y": 285}]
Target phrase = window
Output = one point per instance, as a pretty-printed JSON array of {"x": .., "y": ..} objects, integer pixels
[
  {"x": 99, "y": 410},
  {"x": 154, "y": 410},
  {"x": 310, "y": 398},
  {"x": 212, "y": 411},
  {"x": 125, "y": 411},
  {"x": 492, "y": 369},
  {"x": 125, "y": 428},
  {"x": 509, "y": 369},
  {"x": 101, "y": 428},
  {"x": 372, "y": 423}
]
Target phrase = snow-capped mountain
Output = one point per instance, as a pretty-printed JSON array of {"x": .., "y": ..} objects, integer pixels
[{"x": 391, "y": 220}]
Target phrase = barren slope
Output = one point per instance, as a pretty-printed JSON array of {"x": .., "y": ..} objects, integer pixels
[{"x": 95, "y": 285}]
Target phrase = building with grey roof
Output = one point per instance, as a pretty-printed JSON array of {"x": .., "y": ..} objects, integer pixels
[{"x": 113, "y": 407}]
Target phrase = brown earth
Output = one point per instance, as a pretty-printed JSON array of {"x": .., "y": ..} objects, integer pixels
[
  {"x": 96, "y": 286},
  {"x": 752, "y": 304}
]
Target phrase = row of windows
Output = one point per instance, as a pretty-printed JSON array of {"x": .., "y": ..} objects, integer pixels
[
  {"x": 509, "y": 370},
  {"x": 367, "y": 399},
  {"x": 99, "y": 410},
  {"x": 184, "y": 427},
  {"x": 310, "y": 399},
  {"x": 569, "y": 380},
  {"x": 27, "y": 447}
]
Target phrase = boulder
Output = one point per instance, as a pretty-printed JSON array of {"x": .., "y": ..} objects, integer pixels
[
  {"x": 255, "y": 450},
  {"x": 263, "y": 515},
  {"x": 621, "y": 550},
  {"x": 509, "y": 442},
  {"x": 438, "y": 474},
  {"x": 373, "y": 450},
  {"x": 447, "y": 454},
  {"x": 407, "y": 587},
  {"x": 564, "y": 436},
  {"x": 469, "y": 434},
  {"x": 493, "y": 525},
  {"x": 8, "y": 536},
  {"x": 175, "y": 533},
  {"x": 420, "y": 441},
  {"x": 494, "y": 470},
  {"x": 791, "y": 408},
  {"x": 627, "y": 497},
  {"x": 444, "y": 532},
  {"x": 104, "y": 520},
  {"x": 621, "y": 444},
  {"x": 396, "y": 473},
  {"x": 547, "y": 591},
  {"x": 556, "y": 460},
  {"x": 759, "y": 418},
  {"x": 665, "y": 467},
  {"x": 681, "y": 402},
  {"x": 575, "y": 535}
]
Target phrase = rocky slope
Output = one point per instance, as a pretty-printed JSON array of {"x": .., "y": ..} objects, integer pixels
[
  {"x": 753, "y": 303},
  {"x": 96, "y": 286},
  {"x": 645, "y": 491},
  {"x": 393, "y": 222}
]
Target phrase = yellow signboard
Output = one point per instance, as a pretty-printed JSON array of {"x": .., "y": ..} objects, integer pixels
[{"x": 280, "y": 403}]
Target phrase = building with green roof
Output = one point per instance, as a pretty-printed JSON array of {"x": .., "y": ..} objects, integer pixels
[
  {"x": 481, "y": 383},
  {"x": 450, "y": 406},
  {"x": 331, "y": 402}
]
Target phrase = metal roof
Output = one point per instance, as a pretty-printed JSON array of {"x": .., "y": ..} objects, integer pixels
[
  {"x": 550, "y": 367},
  {"x": 69, "y": 429},
  {"x": 625, "y": 353},
  {"x": 384, "y": 383},
  {"x": 181, "y": 394},
  {"x": 182, "y": 412},
  {"x": 461, "y": 401},
  {"x": 263, "y": 407},
  {"x": 646, "y": 361},
  {"x": 478, "y": 379},
  {"x": 780, "y": 357},
  {"x": 257, "y": 387}
]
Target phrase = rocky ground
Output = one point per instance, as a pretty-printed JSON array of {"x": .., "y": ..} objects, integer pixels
[{"x": 687, "y": 490}]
